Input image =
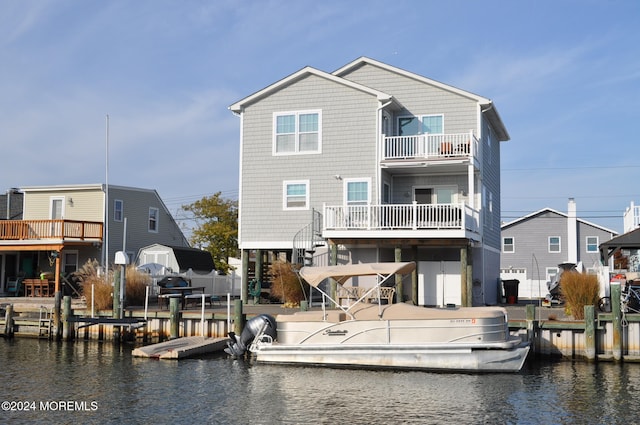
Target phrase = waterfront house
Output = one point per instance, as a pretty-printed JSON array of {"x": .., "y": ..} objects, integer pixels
[
  {"x": 534, "y": 245},
  {"x": 61, "y": 227},
  {"x": 374, "y": 163}
]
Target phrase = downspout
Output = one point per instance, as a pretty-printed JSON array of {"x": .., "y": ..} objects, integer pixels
[{"x": 380, "y": 147}]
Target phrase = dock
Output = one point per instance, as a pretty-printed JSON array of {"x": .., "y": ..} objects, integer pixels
[{"x": 181, "y": 348}]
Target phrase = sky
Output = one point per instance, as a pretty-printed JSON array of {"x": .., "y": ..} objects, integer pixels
[{"x": 563, "y": 74}]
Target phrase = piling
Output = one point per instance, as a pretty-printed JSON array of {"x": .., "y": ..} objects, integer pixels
[
  {"x": 57, "y": 316},
  {"x": 589, "y": 332},
  {"x": 174, "y": 317},
  {"x": 67, "y": 313},
  {"x": 238, "y": 317},
  {"x": 8, "y": 321},
  {"x": 530, "y": 315},
  {"x": 616, "y": 321}
]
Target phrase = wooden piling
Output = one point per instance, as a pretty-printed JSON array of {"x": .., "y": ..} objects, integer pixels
[
  {"x": 67, "y": 313},
  {"x": 238, "y": 317},
  {"x": 616, "y": 318},
  {"x": 8, "y": 321},
  {"x": 174, "y": 317},
  {"x": 57, "y": 316},
  {"x": 589, "y": 332}
]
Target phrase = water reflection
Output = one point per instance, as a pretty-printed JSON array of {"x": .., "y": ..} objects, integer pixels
[{"x": 217, "y": 389}]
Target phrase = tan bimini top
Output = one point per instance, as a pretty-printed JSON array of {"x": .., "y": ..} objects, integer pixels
[{"x": 341, "y": 274}]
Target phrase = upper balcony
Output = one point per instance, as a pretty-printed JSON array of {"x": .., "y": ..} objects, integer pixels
[
  {"x": 401, "y": 221},
  {"x": 424, "y": 149},
  {"x": 34, "y": 231}
]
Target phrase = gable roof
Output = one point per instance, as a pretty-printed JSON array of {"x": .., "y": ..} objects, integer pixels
[
  {"x": 551, "y": 210},
  {"x": 299, "y": 75},
  {"x": 627, "y": 240},
  {"x": 488, "y": 106}
]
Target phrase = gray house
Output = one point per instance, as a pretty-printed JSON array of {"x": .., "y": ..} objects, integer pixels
[
  {"x": 534, "y": 245},
  {"x": 374, "y": 163},
  {"x": 61, "y": 227}
]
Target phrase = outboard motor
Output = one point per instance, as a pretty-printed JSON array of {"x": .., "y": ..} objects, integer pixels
[{"x": 262, "y": 324}]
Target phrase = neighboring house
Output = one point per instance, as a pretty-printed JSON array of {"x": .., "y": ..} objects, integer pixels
[
  {"x": 534, "y": 245},
  {"x": 631, "y": 218},
  {"x": 628, "y": 244},
  {"x": 64, "y": 226},
  {"x": 374, "y": 163},
  {"x": 176, "y": 259}
]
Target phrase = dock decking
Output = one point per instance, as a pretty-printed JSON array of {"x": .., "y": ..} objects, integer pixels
[{"x": 180, "y": 348}]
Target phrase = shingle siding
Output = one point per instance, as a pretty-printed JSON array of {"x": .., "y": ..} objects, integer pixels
[{"x": 348, "y": 132}]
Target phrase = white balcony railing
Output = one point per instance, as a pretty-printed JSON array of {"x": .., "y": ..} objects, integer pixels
[
  {"x": 430, "y": 146},
  {"x": 631, "y": 218},
  {"x": 401, "y": 217}
]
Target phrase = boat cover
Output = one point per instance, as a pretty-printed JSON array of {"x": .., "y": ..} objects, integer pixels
[{"x": 341, "y": 274}]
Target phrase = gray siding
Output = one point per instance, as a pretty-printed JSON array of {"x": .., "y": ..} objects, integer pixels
[
  {"x": 531, "y": 238},
  {"x": 348, "y": 149},
  {"x": 491, "y": 180}
]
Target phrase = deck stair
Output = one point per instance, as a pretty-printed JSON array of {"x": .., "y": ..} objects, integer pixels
[
  {"x": 307, "y": 240},
  {"x": 36, "y": 324}
]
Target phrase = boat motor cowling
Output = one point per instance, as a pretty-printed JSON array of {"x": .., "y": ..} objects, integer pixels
[{"x": 262, "y": 324}]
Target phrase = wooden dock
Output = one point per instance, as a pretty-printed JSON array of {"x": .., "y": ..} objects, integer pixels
[{"x": 181, "y": 348}]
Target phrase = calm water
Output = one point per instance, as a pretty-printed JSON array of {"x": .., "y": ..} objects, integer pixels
[{"x": 91, "y": 382}]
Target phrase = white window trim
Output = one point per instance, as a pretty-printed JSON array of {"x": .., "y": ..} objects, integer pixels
[
  {"x": 559, "y": 245},
  {"x": 586, "y": 243},
  {"x": 284, "y": 194},
  {"x": 62, "y": 203},
  {"x": 513, "y": 244},
  {"x": 297, "y": 133},
  {"x": 420, "y": 117},
  {"x": 64, "y": 258},
  {"x": 115, "y": 201},
  {"x": 157, "y": 220},
  {"x": 355, "y": 180}
]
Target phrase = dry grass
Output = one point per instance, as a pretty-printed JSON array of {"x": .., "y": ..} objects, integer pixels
[
  {"x": 579, "y": 290},
  {"x": 102, "y": 289},
  {"x": 136, "y": 285},
  {"x": 285, "y": 284},
  {"x": 102, "y": 286}
]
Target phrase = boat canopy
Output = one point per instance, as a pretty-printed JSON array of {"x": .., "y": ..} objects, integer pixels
[{"x": 341, "y": 274}]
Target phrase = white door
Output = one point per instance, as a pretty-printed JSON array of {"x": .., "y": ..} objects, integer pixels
[{"x": 439, "y": 283}]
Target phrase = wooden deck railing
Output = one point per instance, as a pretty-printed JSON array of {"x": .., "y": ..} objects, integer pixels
[{"x": 50, "y": 229}]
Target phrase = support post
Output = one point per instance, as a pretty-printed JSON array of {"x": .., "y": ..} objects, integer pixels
[
  {"x": 67, "y": 313},
  {"x": 589, "y": 332},
  {"x": 616, "y": 320},
  {"x": 530, "y": 315},
  {"x": 244, "y": 290},
  {"x": 398, "y": 277},
  {"x": 116, "y": 294},
  {"x": 464, "y": 298},
  {"x": 414, "y": 276},
  {"x": 57, "y": 316},
  {"x": 174, "y": 317},
  {"x": 333, "y": 261},
  {"x": 238, "y": 317},
  {"x": 8, "y": 321}
]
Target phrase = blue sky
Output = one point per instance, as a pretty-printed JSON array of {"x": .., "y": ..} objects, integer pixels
[{"x": 564, "y": 75}]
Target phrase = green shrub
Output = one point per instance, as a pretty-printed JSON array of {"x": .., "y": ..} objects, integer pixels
[{"x": 579, "y": 290}]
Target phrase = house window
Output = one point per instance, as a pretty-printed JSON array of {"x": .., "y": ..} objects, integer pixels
[
  {"x": 357, "y": 192},
  {"x": 296, "y": 195},
  {"x": 153, "y": 219},
  {"x": 508, "y": 245},
  {"x": 118, "y": 206},
  {"x": 297, "y": 132},
  {"x": 592, "y": 244},
  {"x": 551, "y": 273},
  {"x": 425, "y": 124},
  {"x": 554, "y": 243},
  {"x": 69, "y": 262}
]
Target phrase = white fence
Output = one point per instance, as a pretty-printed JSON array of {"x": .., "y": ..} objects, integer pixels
[{"x": 213, "y": 283}]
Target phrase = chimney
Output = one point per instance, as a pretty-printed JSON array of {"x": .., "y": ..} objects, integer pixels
[{"x": 572, "y": 232}]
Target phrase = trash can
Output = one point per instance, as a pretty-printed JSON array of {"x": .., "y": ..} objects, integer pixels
[{"x": 511, "y": 290}]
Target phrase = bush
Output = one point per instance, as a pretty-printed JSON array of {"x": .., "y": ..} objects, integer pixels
[
  {"x": 135, "y": 288},
  {"x": 285, "y": 284},
  {"x": 90, "y": 277},
  {"x": 579, "y": 290}
]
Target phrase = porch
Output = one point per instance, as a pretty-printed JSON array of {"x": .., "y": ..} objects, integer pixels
[
  {"x": 399, "y": 217},
  {"x": 36, "y": 230},
  {"x": 431, "y": 146}
]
